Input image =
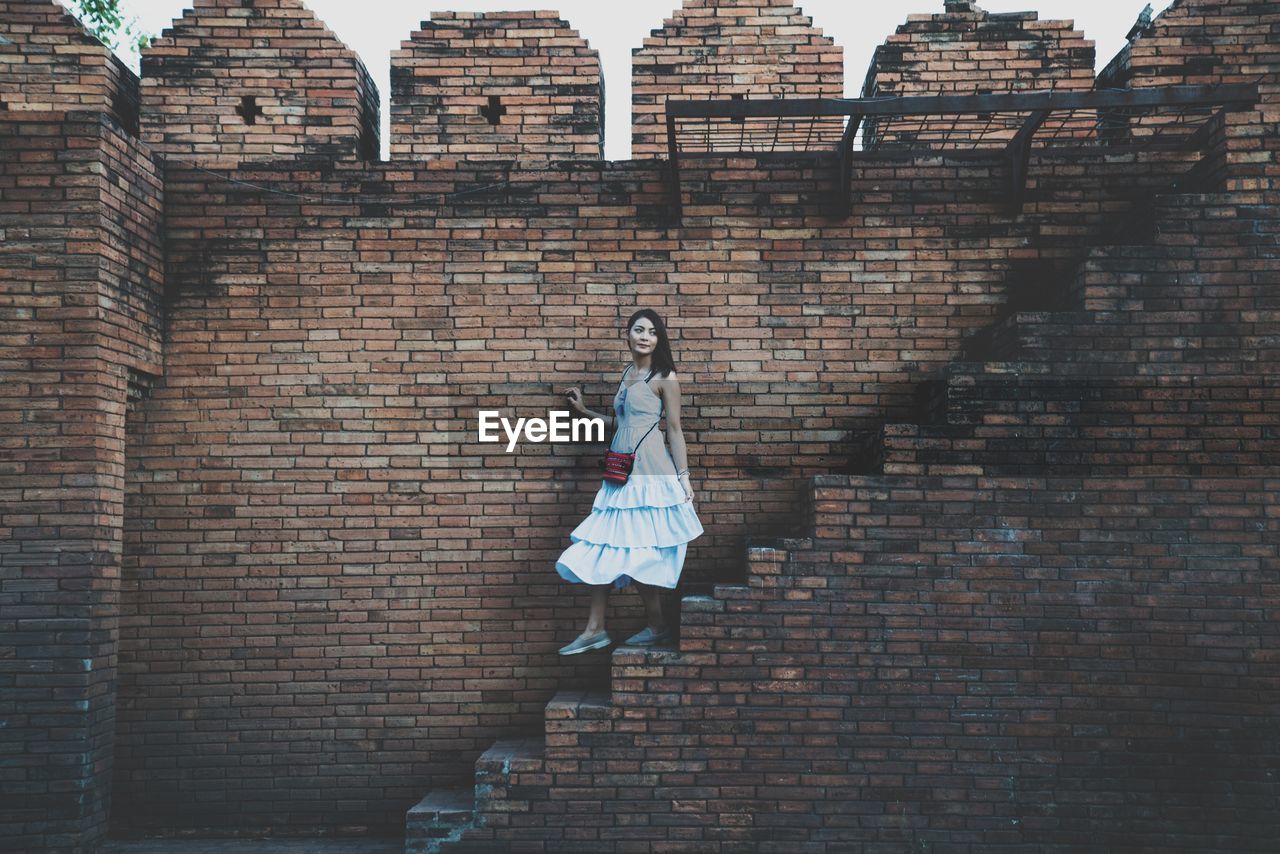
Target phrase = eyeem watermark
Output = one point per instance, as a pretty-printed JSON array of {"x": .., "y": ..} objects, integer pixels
[{"x": 559, "y": 429}]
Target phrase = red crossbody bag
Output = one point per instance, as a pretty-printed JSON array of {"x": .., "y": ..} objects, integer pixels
[{"x": 617, "y": 465}]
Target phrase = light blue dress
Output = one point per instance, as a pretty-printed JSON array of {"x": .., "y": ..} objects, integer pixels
[{"x": 640, "y": 530}]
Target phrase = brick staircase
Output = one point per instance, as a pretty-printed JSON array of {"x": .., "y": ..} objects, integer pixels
[
  {"x": 1041, "y": 624},
  {"x": 1154, "y": 365},
  {"x": 515, "y": 777}
]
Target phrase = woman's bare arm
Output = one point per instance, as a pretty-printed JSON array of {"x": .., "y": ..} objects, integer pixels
[
  {"x": 574, "y": 396},
  {"x": 668, "y": 389}
]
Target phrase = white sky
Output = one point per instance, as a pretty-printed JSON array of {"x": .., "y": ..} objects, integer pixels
[{"x": 373, "y": 28}]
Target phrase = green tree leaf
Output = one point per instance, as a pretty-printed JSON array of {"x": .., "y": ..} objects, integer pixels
[{"x": 104, "y": 19}]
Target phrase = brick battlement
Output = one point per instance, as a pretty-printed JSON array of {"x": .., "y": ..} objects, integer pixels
[
  {"x": 966, "y": 50},
  {"x": 261, "y": 79},
  {"x": 50, "y": 63},
  {"x": 1215, "y": 41},
  {"x": 731, "y": 49},
  {"x": 505, "y": 85}
]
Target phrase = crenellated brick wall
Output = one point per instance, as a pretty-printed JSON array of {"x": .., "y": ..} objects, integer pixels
[
  {"x": 731, "y": 49},
  {"x": 255, "y": 80},
  {"x": 505, "y": 85},
  {"x": 989, "y": 500}
]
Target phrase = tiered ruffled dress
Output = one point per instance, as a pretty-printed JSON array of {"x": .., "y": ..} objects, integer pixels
[{"x": 640, "y": 530}]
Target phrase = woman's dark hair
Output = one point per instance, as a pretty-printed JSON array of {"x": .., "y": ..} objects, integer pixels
[{"x": 661, "y": 361}]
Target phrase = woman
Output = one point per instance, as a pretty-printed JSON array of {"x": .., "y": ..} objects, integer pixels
[{"x": 638, "y": 531}]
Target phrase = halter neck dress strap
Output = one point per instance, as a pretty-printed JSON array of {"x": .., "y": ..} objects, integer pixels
[{"x": 627, "y": 370}]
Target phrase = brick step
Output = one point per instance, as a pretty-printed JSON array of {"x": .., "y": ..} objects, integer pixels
[
  {"x": 440, "y": 816},
  {"x": 1137, "y": 266},
  {"x": 697, "y": 616},
  {"x": 1172, "y": 233},
  {"x": 638, "y": 674},
  {"x": 1041, "y": 417},
  {"x": 513, "y": 778},
  {"x": 1222, "y": 301},
  {"x": 1158, "y": 229},
  {"x": 516, "y": 771},
  {"x": 510, "y": 778},
  {"x": 1259, "y": 204},
  {"x": 1151, "y": 341},
  {"x": 948, "y": 397},
  {"x": 1022, "y": 335},
  {"x": 1098, "y": 449},
  {"x": 1152, "y": 219},
  {"x": 1057, "y": 392},
  {"x": 1011, "y": 392},
  {"x": 1170, "y": 259},
  {"x": 767, "y": 557},
  {"x": 1211, "y": 213},
  {"x": 576, "y": 719},
  {"x": 1184, "y": 333},
  {"x": 1232, "y": 293},
  {"x": 1037, "y": 335}
]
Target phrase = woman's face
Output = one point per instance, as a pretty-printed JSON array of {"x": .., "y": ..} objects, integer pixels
[{"x": 643, "y": 337}]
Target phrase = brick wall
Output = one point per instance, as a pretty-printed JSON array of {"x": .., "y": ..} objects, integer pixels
[
  {"x": 261, "y": 79},
  {"x": 965, "y": 50},
  {"x": 1208, "y": 42},
  {"x": 734, "y": 49},
  {"x": 501, "y": 85},
  {"x": 79, "y": 259},
  {"x": 310, "y": 494}
]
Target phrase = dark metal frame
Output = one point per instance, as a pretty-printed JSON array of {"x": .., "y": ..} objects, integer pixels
[{"x": 1034, "y": 107}]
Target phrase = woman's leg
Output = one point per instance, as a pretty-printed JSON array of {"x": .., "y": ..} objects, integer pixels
[
  {"x": 652, "y": 605},
  {"x": 599, "y": 597}
]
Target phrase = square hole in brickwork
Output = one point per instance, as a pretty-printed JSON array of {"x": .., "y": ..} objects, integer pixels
[
  {"x": 249, "y": 109},
  {"x": 495, "y": 111}
]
